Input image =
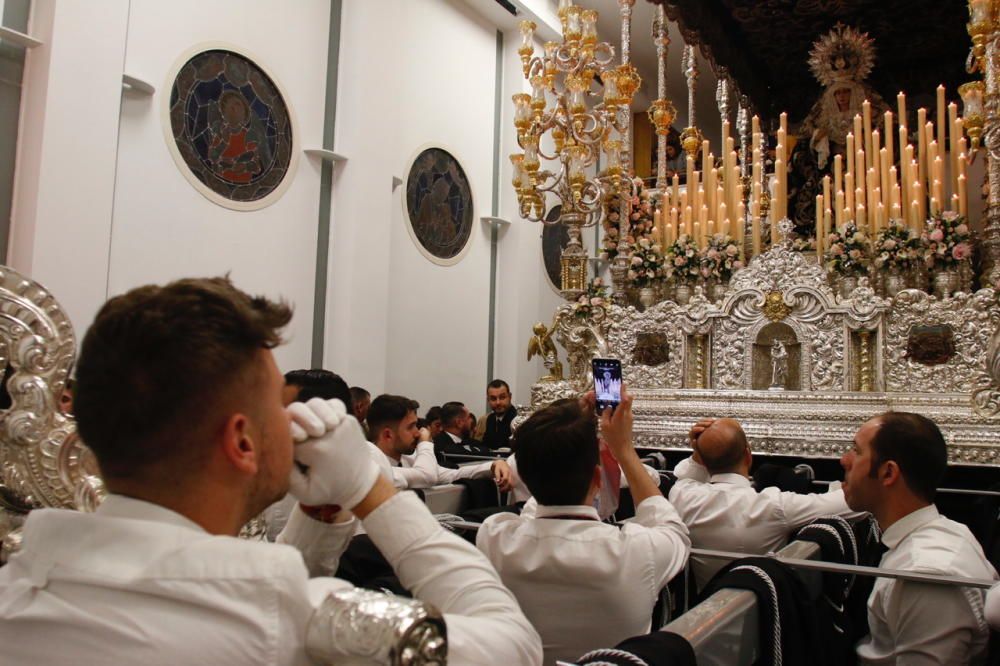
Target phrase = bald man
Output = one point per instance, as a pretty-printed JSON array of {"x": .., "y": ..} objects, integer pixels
[{"x": 723, "y": 511}]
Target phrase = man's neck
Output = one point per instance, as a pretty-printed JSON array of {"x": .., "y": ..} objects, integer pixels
[
  {"x": 387, "y": 448},
  {"x": 216, "y": 512},
  {"x": 454, "y": 431},
  {"x": 897, "y": 509}
]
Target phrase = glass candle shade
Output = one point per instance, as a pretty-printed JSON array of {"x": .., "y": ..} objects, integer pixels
[
  {"x": 576, "y": 87},
  {"x": 530, "y": 145},
  {"x": 573, "y": 26},
  {"x": 522, "y": 111},
  {"x": 538, "y": 95},
  {"x": 588, "y": 27}
]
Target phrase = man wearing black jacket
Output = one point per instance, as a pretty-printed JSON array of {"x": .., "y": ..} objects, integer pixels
[{"x": 493, "y": 429}]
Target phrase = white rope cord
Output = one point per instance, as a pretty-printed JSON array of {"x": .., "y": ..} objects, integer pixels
[
  {"x": 604, "y": 653},
  {"x": 760, "y": 573}
]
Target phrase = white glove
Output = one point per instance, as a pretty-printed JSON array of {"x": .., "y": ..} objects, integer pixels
[{"x": 333, "y": 447}]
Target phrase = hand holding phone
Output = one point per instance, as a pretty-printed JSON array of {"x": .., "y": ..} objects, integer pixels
[{"x": 607, "y": 382}]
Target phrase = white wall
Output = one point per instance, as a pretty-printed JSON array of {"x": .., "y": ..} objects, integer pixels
[
  {"x": 165, "y": 229},
  {"x": 398, "y": 322},
  {"x": 101, "y": 206}
]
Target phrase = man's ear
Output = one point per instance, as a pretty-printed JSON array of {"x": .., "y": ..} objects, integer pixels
[
  {"x": 238, "y": 445},
  {"x": 889, "y": 473}
]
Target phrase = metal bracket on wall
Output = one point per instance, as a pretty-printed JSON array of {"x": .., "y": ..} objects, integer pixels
[
  {"x": 137, "y": 85},
  {"x": 487, "y": 219},
  {"x": 324, "y": 154}
]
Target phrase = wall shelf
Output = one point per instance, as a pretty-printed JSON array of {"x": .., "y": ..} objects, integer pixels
[
  {"x": 19, "y": 38},
  {"x": 137, "y": 85},
  {"x": 324, "y": 154},
  {"x": 499, "y": 221}
]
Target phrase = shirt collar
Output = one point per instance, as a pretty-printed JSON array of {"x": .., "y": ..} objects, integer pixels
[
  {"x": 120, "y": 506},
  {"x": 730, "y": 478},
  {"x": 454, "y": 438},
  {"x": 574, "y": 510},
  {"x": 909, "y": 523}
]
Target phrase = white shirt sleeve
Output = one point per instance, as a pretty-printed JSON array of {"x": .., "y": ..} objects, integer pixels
[
  {"x": 801, "y": 509},
  {"x": 993, "y": 607},
  {"x": 930, "y": 624},
  {"x": 320, "y": 543},
  {"x": 689, "y": 469},
  {"x": 485, "y": 623},
  {"x": 423, "y": 469},
  {"x": 477, "y": 471},
  {"x": 668, "y": 535}
]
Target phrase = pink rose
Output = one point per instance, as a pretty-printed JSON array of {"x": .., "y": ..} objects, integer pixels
[
  {"x": 937, "y": 235},
  {"x": 837, "y": 250},
  {"x": 855, "y": 254},
  {"x": 889, "y": 244},
  {"x": 961, "y": 229},
  {"x": 713, "y": 254},
  {"x": 732, "y": 250},
  {"x": 679, "y": 261},
  {"x": 597, "y": 301},
  {"x": 961, "y": 251},
  {"x": 636, "y": 261},
  {"x": 833, "y": 238},
  {"x": 630, "y": 275},
  {"x": 705, "y": 272}
]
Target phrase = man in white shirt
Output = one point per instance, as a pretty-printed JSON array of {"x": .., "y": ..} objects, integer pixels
[
  {"x": 583, "y": 584},
  {"x": 893, "y": 470},
  {"x": 409, "y": 452},
  {"x": 723, "y": 511},
  {"x": 180, "y": 400}
]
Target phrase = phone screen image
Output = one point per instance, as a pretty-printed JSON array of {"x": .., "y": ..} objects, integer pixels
[{"x": 607, "y": 382}]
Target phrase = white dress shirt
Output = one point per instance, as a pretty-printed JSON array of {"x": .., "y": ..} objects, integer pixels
[
  {"x": 922, "y": 623},
  {"x": 421, "y": 469},
  {"x": 585, "y": 584},
  {"x": 727, "y": 513},
  {"x": 136, "y": 583}
]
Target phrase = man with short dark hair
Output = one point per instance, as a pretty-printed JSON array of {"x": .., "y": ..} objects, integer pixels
[
  {"x": 433, "y": 418},
  {"x": 180, "y": 399},
  {"x": 722, "y": 509},
  {"x": 409, "y": 452},
  {"x": 304, "y": 385},
  {"x": 893, "y": 470},
  {"x": 455, "y": 434},
  {"x": 493, "y": 429},
  {"x": 362, "y": 399},
  {"x": 583, "y": 584}
]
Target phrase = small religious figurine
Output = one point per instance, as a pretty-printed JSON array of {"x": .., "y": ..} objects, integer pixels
[
  {"x": 541, "y": 344},
  {"x": 779, "y": 366}
]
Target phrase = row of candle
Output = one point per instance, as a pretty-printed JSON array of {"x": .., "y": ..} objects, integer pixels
[
  {"x": 867, "y": 188},
  {"x": 871, "y": 191}
]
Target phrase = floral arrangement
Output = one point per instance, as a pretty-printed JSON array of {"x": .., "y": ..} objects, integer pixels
[
  {"x": 804, "y": 244},
  {"x": 640, "y": 220},
  {"x": 896, "y": 247},
  {"x": 721, "y": 258},
  {"x": 595, "y": 297},
  {"x": 646, "y": 265},
  {"x": 683, "y": 259},
  {"x": 847, "y": 252},
  {"x": 946, "y": 240}
]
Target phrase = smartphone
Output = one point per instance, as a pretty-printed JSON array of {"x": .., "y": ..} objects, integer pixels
[{"x": 607, "y": 382}]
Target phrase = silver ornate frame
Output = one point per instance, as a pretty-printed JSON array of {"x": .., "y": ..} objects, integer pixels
[{"x": 962, "y": 395}]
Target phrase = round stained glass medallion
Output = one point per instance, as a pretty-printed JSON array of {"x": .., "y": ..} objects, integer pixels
[
  {"x": 231, "y": 128},
  {"x": 439, "y": 205}
]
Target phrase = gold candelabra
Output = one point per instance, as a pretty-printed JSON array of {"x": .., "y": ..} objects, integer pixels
[
  {"x": 566, "y": 110},
  {"x": 981, "y": 115}
]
